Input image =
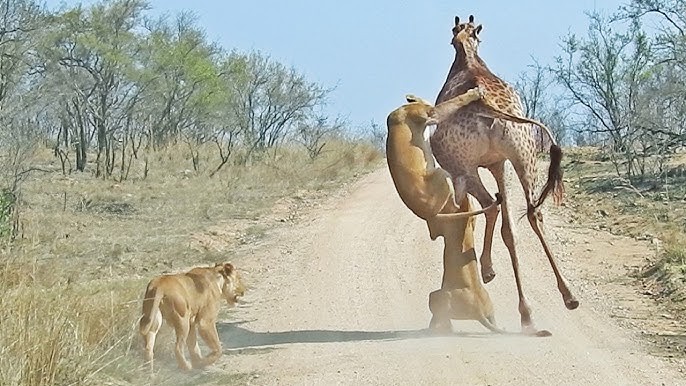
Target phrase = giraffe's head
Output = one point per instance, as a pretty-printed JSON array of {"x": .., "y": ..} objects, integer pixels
[{"x": 466, "y": 35}]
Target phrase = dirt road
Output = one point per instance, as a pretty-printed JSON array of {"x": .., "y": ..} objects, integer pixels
[{"x": 342, "y": 299}]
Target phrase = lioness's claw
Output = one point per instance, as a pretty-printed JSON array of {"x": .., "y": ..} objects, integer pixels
[{"x": 481, "y": 91}]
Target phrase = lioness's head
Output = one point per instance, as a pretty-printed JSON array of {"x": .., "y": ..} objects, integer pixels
[
  {"x": 420, "y": 112},
  {"x": 233, "y": 287},
  {"x": 466, "y": 35}
]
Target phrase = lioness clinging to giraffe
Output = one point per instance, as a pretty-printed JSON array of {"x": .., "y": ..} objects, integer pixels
[
  {"x": 424, "y": 188},
  {"x": 486, "y": 133}
]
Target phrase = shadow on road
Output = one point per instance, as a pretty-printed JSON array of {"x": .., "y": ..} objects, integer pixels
[{"x": 234, "y": 337}]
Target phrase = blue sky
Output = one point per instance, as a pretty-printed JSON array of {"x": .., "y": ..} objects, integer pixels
[{"x": 376, "y": 51}]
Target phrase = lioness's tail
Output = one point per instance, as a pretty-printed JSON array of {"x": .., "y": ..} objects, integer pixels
[
  {"x": 498, "y": 201},
  {"x": 151, "y": 307},
  {"x": 490, "y": 324},
  {"x": 554, "y": 183}
]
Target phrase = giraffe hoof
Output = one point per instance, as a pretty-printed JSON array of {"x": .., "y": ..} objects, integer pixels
[
  {"x": 488, "y": 275},
  {"x": 571, "y": 303}
]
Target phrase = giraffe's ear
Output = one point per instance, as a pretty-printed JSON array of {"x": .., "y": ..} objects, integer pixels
[{"x": 478, "y": 29}]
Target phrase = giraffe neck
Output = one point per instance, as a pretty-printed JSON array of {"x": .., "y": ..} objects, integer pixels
[
  {"x": 467, "y": 58},
  {"x": 467, "y": 71}
]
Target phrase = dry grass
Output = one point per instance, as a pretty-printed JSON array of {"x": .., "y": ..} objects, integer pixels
[
  {"x": 72, "y": 282},
  {"x": 63, "y": 334},
  {"x": 652, "y": 210}
]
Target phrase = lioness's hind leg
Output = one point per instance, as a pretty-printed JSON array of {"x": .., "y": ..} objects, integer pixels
[
  {"x": 182, "y": 326},
  {"x": 193, "y": 348},
  {"x": 149, "y": 342},
  {"x": 149, "y": 338},
  {"x": 208, "y": 332},
  {"x": 441, "y": 191},
  {"x": 439, "y": 305},
  {"x": 440, "y": 325},
  {"x": 464, "y": 304}
]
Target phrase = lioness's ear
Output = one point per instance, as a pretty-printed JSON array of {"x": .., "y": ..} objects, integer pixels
[
  {"x": 225, "y": 269},
  {"x": 228, "y": 269},
  {"x": 411, "y": 98}
]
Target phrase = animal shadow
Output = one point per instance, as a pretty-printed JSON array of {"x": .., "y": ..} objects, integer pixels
[{"x": 234, "y": 337}]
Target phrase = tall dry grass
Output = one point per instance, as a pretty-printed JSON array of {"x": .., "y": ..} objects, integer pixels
[
  {"x": 57, "y": 334},
  {"x": 71, "y": 284}
]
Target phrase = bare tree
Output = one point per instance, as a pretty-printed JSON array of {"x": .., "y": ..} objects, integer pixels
[
  {"x": 225, "y": 138},
  {"x": 268, "y": 99},
  {"x": 532, "y": 86},
  {"x": 20, "y": 20},
  {"x": 540, "y": 102},
  {"x": 313, "y": 132},
  {"x": 603, "y": 75},
  {"x": 664, "y": 111}
]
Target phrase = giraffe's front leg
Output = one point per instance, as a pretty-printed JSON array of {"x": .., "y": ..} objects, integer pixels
[
  {"x": 476, "y": 188},
  {"x": 487, "y": 272}
]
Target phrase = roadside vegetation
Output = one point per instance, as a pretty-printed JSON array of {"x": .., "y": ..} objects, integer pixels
[
  {"x": 131, "y": 146},
  {"x": 617, "y": 96}
]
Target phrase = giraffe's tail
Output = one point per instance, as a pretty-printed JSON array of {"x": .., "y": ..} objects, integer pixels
[{"x": 554, "y": 183}]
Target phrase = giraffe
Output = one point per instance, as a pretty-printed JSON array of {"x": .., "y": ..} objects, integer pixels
[{"x": 486, "y": 133}]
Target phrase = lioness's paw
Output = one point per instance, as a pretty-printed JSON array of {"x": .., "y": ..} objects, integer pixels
[{"x": 481, "y": 91}]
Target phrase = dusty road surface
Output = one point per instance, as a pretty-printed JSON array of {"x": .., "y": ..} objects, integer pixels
[{"x": 342, "y": 297}]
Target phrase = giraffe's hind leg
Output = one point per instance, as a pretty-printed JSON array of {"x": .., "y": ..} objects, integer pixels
[
  {"x": 527, "y": 323},
  {"x": 536, "y": 220},
  {"x": 526, "y": 171}
]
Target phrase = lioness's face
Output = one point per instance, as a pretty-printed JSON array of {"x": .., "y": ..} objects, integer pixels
[
  {"x": 233, "y": 287},
  {"x": 420, "y": 113}
]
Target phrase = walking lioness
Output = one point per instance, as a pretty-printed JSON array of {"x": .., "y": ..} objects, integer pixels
[{"x": 188, "y": 302}]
